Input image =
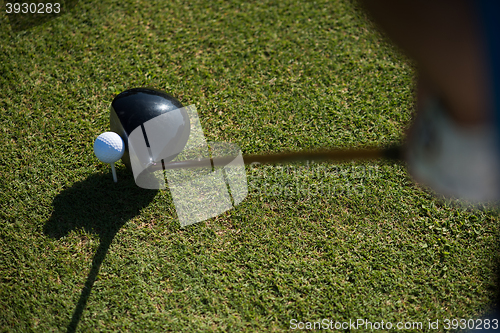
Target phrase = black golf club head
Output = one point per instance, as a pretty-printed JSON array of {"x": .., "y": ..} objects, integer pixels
[{"x": 134, "y": 107}]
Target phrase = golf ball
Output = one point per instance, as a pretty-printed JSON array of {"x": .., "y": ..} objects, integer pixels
[{"x": 109, "y": 147}]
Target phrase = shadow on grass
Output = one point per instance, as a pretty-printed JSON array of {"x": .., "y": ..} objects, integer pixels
[{"x": 99, "y": 206}]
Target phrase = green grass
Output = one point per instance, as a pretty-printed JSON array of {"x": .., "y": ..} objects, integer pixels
[{"x": 348, "y": 241}]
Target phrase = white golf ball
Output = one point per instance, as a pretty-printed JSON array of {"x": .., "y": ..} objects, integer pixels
[{"x": 109, "y": 147}]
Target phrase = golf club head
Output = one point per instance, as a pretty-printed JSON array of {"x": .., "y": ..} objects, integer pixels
[
  {"x": 134, "y": 108},
  {"x": 157, "y": 130}
]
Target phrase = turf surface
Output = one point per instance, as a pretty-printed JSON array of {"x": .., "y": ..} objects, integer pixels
[{"x": 348, "y": 241}]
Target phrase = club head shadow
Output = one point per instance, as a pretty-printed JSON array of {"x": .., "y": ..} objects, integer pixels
[{"x": 97, "y": 205}]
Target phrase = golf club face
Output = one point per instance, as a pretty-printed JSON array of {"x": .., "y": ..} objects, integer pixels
[
  {"x": 134, "y": 107},
  {"x": 197, "y": 193}
]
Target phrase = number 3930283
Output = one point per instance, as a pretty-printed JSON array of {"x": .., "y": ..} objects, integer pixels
[
  {"x": 477, "y": 324},
  {"x": 32, "y": 8}
]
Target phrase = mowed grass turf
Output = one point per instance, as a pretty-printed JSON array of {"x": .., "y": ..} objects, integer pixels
[{"x": 311, "y": 241}]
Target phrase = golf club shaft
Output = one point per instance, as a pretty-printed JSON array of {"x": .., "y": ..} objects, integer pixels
[{"x": 338, "y": 155}]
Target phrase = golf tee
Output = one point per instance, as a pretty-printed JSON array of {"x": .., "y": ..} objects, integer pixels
[{"x": 113, "y": 170}]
